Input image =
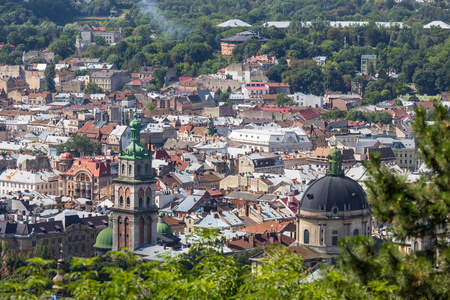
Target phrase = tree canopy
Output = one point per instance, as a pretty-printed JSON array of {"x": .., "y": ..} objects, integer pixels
[{"x": 80, "y": 145}]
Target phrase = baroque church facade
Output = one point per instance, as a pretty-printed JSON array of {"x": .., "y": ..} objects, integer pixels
[{"x": 135, "y": 211}]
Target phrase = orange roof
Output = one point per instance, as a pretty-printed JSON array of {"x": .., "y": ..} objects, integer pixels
[
  {"x": 183, "y": 128},
  {"x": 269, "y": 226},
  {"x": 199, "y": 130},
  {"x": 97, "y": 168}
]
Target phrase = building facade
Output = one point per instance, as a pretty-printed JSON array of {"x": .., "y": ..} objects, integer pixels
[
  {"x": 45, "y": 182},
  {"x": 83, "y": 177},
  {"x": 110, "y": 80},
  {"x": 272, "y": 140},
  {"x": 71, "y": 236}
]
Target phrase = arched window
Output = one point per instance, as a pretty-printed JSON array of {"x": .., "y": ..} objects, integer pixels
[
  {"x": 130, "y": 169},
  {"x": 140, "y": 202},
  {"x": 356, "y": 232},
  {"x": 128, "y": 201},
  {"x": 123, "y": 169},
  {"x": 138, "y": 169},
  {"x": 416, "y": 246},
  {"x": 148, "y": 201},
  {"x": 306, "y": 236},
  {"x": 121, "y": 201},
  {"x": 334, "y": 238}
]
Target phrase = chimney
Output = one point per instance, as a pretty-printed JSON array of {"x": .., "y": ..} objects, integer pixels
[
  {"x": 258, "y": 207},
  {"x": 291, "y": 198},
  {"x": 189, "y": 192},
  {"x": 251, "y": 240}
]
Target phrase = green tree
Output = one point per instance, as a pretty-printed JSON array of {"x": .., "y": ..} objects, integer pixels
[
  {"x": 356, "y": 115},
  {"x": 49, "y": 78},
  {"x": 425, "y": 81},
  {"x": 334, "y": 114},
  {"x": 159, "y": 77},
  {"x": 63, "y": 47},
  {"x": 92, "y": 88},
  {"x": 418, "y": 210},
  {"x": 373, "y": 97},
  {"x": 283, "y": 99},
  {"x": 151, "y": 106},
  {"x": 80, "y": 145},
  {"x": 100, "y": 41},
  {"x": 44, "y": 251},
  {"x": 397, "y": 102}
]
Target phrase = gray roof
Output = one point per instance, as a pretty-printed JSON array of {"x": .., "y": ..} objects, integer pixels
[
  {"x": 245, "y": 36},
  {"x": 187, "y": 204},
  {"x": 267, "y": 213},
  {"x": 234, "y": 23},
  {"x": 242, "y": 196},
  {"x": 231, "y": 218}
]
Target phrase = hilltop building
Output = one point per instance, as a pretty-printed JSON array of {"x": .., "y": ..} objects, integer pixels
[{"x": 227, "y": 44}]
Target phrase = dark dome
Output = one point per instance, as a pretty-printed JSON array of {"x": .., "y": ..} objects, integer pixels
[{"x": 333, "y": 191}]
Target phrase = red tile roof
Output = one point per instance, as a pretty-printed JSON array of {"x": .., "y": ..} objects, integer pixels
[
  {"x": 269, "y": 226},
  {"x": 283, "y": 110},
  {"x": 214, "y": 193},
  {"x": 256, "y": 88},
  {"x": 97, "y": 168},
  {"x": 309, "y": 114}
]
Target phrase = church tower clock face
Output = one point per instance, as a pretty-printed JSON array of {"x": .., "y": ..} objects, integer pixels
[{"x": 135, "y": 211}]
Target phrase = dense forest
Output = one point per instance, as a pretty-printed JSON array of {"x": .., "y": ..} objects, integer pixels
[{"x": 188, "y": 39}]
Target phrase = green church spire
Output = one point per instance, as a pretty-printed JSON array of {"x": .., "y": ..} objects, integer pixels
[{"x": 135, "y": 149}]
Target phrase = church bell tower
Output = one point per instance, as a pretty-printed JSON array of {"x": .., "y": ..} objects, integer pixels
[{"x": 135, "y": 211}]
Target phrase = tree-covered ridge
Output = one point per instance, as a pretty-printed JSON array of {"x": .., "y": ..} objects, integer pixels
[
  {"x": 188, "y": 40},
  {"x": 260, "y": 11}
]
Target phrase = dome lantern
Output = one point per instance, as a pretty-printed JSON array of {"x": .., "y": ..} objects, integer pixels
[{"x": 335, "y": 162}]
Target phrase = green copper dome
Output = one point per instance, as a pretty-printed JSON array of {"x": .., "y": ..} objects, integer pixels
[
  {"x": 104, "y": 239},
  {"x": 164, "y": 229},
  {"x": 134, "y": 149},
  {"x": 161, "y": 214}
]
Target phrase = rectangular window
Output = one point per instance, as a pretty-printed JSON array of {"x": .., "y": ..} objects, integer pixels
[{"x": 334, "y": 239}]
